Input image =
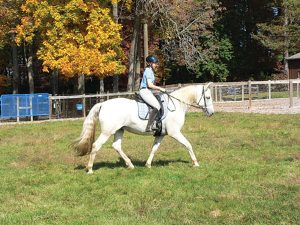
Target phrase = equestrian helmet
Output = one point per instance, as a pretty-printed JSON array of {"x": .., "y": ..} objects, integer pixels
[{"x": 151, "y": 59}]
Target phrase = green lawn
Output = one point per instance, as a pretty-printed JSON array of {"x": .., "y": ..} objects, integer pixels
[
  {"x": 258, "y": 96},
  {"x": 249, "y": 174}
]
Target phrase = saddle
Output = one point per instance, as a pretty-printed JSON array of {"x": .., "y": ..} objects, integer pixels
[{"x": 144, "y": 109}]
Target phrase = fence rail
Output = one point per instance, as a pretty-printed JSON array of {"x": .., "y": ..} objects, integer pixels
[
  {"x": 223, "y": 92},
  {"x": 259, "y": 90}
]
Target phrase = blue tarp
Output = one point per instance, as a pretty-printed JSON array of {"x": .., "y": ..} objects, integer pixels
[{"x": 24, "y": 105}]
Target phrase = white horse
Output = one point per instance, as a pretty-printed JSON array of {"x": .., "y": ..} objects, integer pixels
[{"x": 119, "y": 114}]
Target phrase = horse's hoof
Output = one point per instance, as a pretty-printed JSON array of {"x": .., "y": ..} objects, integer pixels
[
  {"x": 131, "y": 167},
  {"x": 196, "y": 164},
  {"x": 148, "y": 165},
  {"x": 90, "y": 172}
]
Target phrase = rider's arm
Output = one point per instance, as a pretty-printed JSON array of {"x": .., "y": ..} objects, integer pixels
[{"x": 153, "y": 86}]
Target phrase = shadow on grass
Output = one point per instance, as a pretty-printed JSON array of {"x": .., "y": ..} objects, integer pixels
[{"x": 136, "y": 163}]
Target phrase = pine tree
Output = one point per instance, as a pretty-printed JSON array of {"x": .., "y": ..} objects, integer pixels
[{"x": 281, "y": 33}]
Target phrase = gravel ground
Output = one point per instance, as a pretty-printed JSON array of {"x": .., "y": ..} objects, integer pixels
[{"x": 272, "y": 106}]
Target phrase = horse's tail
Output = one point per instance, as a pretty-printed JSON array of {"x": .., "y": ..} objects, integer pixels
[{"x": 83, "y": 145}]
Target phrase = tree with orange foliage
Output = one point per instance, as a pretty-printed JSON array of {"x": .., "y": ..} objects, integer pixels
[{"x": 78, "y": 37}]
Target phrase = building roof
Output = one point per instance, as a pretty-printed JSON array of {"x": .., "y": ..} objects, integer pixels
[{"x": 296, "y": 56}]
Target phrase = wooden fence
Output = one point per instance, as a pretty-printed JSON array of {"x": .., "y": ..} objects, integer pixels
[
  {"x": 222, "y": 92},
  {"x": 248, "y": 94},
  {"x": 250, "y": 90}
]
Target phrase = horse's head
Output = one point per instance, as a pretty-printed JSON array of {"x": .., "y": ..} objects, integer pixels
[{"x": 205, "y": 99}]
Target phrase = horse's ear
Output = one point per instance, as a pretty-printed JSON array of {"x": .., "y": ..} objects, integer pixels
[{"x": 207, "y": 85}]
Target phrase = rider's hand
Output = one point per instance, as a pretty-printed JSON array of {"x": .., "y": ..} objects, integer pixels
[{"x": 162, "y": 90}]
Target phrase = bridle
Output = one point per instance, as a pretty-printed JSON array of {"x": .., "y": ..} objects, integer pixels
[{"x": 192, "y": 105}]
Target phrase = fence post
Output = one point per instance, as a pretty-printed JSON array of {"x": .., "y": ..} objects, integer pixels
[
  {"x": 235, "y": 90},
  {"x": 243, "y": 92},
  {"x": 64, "y": 108},
  {"x": 269, "y": 86},
  {"x": 50, "y": 106},
  {"x": 18, "y": 110},
  {"x": 83, "y": 106},
  {"x": 291, "y": 93},
  {"x": 216, "y": 93},
  {"x": 30, "y": 105},
  {"x": 250, "y": 94},
  {"x": 220, "y": 93},
  {"x": 298, "y": 89}
]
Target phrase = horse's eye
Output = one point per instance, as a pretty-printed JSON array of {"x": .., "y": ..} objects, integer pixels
[{"x": 208, "y": 97}]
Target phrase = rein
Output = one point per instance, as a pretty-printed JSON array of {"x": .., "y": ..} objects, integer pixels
[{"x": 188, "y": 104}]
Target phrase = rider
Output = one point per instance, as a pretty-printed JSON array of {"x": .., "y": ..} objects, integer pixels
[{"x": 147, "y": 84}]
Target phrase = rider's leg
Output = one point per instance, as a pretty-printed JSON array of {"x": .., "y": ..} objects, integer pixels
[
  {"x": 152, "y": 118},
  {"x": 150, "y": 99}
]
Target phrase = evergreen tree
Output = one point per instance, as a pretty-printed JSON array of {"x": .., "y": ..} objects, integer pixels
[{"x": 281, "y": 32}]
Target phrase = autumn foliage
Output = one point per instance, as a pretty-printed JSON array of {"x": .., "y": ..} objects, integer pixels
[{"x": 77, "y": 37}]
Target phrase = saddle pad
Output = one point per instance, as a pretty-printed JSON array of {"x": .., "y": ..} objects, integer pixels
[{"x": 143, "y": 108}]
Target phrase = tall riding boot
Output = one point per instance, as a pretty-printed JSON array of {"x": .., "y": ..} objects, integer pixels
[{"x": 152, "y": 118}]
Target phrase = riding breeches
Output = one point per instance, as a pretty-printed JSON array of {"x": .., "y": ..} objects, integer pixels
[{"x": 149, "y": 98}]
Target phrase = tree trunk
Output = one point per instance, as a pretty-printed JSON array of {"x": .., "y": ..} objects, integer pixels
[
  {"x": 54, "y": 82},
  {"x": 115, "y": 77},
  {"x": 133, "y": 53},
  {"x": 15, "y": 65},
  {"x": 137, "y": 74},
  {"x": 146, "y": 51},
  {"x": 29, "y": 65},
  {"x": 101, "y": 85},
  {"x": 81, "y": 85}
]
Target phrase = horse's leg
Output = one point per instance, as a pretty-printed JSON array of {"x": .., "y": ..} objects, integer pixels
[
  {"x": 179, "y": 137},
  {"x": 96, "y": 147},
  {"x": 118, "y": 146},
  {"x": 155, "y": 146}
]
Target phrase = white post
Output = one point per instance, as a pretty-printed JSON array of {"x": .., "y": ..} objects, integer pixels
[
  {"x": 243, "y": 92},
  {"x": 298, "y": 89},
  {"x": 235, "y": 89},
  {"x": 250, "y": 94},
  {"x": 18, "y": 112},
  {"x": 83, "y": 106},
  {"x": 269, "y": 89},
  {"x": 50, "y": 107},
  {"x": 30, "y": 105},
  {"x": 291, "y": 94}
]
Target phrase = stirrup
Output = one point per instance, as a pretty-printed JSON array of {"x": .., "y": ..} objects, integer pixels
[{"x": 154, "y": 126}]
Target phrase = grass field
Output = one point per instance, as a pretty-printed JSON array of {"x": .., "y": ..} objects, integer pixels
[
  {"x": 260, "y": 95},
  {"x": 249, "y": 174}
]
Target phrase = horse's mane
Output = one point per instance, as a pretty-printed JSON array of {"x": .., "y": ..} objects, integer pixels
[{"x": 187, "y": 94}]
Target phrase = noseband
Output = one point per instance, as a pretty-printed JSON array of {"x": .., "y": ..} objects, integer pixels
[{"x": 205, "y": 104}]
